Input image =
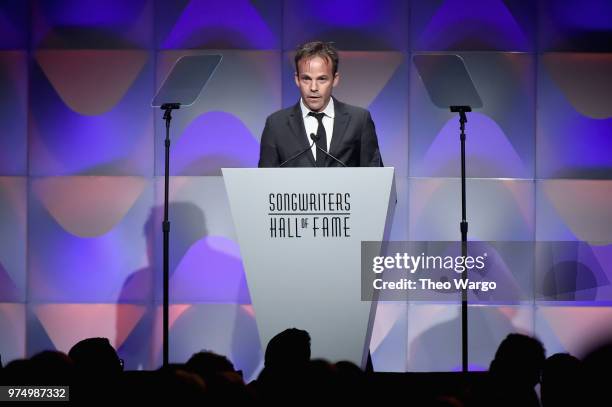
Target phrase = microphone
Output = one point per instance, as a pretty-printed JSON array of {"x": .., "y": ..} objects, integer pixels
[
  {"x": 297, "y": 155},
  {"x": 316, "y": 138}
]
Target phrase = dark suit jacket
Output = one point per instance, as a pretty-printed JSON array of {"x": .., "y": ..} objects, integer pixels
[{"x": 353, "y": 142}]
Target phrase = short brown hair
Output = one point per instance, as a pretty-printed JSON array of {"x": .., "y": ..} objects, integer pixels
[{"x": 325, "y": 50}]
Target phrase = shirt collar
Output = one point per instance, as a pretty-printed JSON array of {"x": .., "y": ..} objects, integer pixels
[{"x": 329, "y": 109}]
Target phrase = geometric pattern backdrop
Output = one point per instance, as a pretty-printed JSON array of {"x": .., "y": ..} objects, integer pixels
[{"x": 81, "y": 164}]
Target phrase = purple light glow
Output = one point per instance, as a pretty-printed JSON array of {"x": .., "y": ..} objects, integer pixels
[
  {"x": 8, "y": 289},
  {"x": 14, "y": 107},
  {"x": 83, "y": 272},
  {"x": 593, "y": 15},
  {"x": 13, "y": 24},
  {"x": 66, "y": 268},
  {"x": 204, "y": 22},
  {"x": 91, "y": 13},
  {"x": 388, "y": 111},
  {"x": 570, "y": 145},
  {"x": 352, "y": 14},
  {"x": 352, "y": 25},
  {"x": 91, "y": 24},
  {"x": 210, "y": 271},
  {"x": 63, "y": 142},
  {"x": 13, "y": 328},
  {"x": 486, "y": 23},
  {"x": 488, "y": 151},
  {"x": 212, "y": 141},
  {"x": 13, "y": 238}
]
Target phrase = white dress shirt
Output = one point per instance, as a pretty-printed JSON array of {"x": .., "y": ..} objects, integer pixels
[{"x": 312, "y": 124}]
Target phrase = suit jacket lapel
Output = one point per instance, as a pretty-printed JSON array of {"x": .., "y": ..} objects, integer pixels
[
  {"x": 296, "y": 123},
  {"x": 341, "y": 121}
]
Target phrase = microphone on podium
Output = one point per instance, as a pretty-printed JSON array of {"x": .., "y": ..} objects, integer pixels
[
  {"x": 297, "y": 155},
  {"x": 316, "y": 138}
]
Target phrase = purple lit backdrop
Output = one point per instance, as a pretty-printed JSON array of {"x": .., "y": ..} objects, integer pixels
[{"x": 81, "y": 164}]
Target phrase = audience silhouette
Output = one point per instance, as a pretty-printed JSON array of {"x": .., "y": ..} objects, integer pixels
[
  {"x": 513, "y": 373},
  {"x": 97, "y": 369},
  {"x": 561, "y": 381},
  {"x": 597, "y": 364},
  {"x": 93, "y": 369},
  {"x": 225, "y": 384},
  {"x": 96, "y": 356},
  {"x": 285, "y": 362}
]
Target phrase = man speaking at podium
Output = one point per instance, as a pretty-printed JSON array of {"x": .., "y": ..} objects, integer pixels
[{"x": 319, "y": 131}]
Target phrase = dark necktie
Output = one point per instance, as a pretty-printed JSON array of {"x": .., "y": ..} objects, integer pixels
[{"x": 321, "y": 138}]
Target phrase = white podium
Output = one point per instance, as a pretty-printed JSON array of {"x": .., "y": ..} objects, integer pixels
[{"x": 300, "y": 232}]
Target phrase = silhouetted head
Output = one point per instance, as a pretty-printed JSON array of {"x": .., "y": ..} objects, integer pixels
[
  {"x": 52, "y": 367},
  {"x": 561, "y": 380},
  {"x": 321, "y": 381},
  {"x": 596, "y": 367},
  {"x": 18, "y": 371},
  {"x": 352, "y": 382},
  {"x": 96, "y": 356},
  {"x": 561, "y": 366},
  {"x": 520, "y": 357},
  {"x": 288, "y": 349},
  {"x": 599, "y": 359},
  {"x": 225, "y": 384},
  {"x": 207, "y": 364},
  {"x": 178, "y": 385},
  {"x": 349, "y": 368}
]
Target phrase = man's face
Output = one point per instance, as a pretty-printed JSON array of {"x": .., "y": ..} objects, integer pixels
[{"x": 315, "y": 80}]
